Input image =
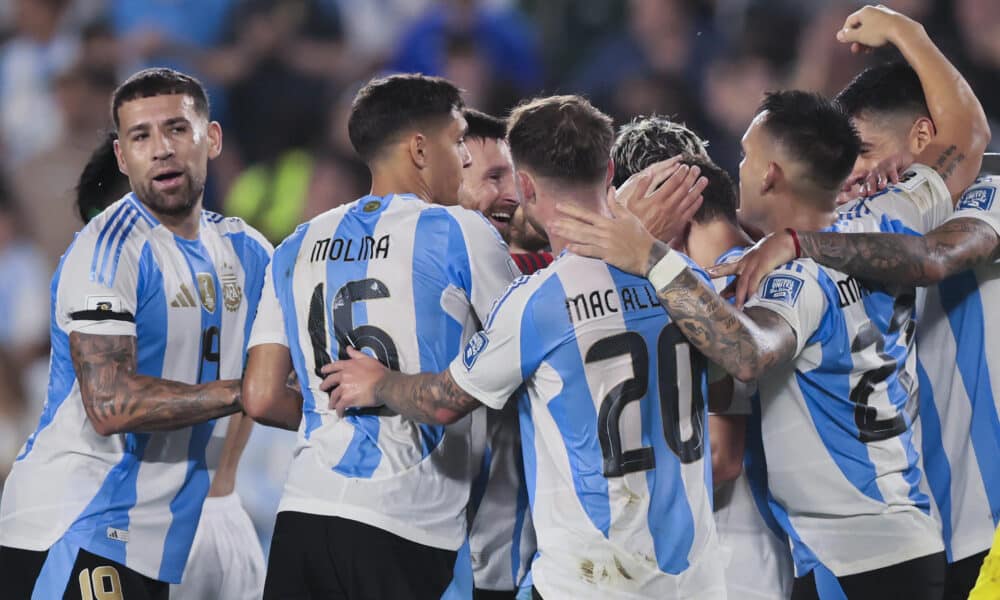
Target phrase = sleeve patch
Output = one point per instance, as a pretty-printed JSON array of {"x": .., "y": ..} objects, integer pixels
[
  {"x": 977, "y": 199},
  {"x": 104, "y": 303},
  {"x": 474, "y": 348},
  {"x": 782, "y": 288}
]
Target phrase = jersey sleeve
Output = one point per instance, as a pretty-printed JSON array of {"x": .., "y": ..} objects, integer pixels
[
  {"x": 269, "y": 324},
  {"x": 496, "y": 360},
  {"x": 491, "y": 269},
  {"x": 980, "y": 202},
  {"x": 796, "y": 295},
  {"x": 917, "y": 204},
  {"x": 97, "y": 290}
]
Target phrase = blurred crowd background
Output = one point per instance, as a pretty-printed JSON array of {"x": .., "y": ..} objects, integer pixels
[{"x": 281, "y": 75}]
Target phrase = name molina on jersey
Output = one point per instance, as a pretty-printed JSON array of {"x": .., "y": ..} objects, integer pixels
[
  {"x": 601, "y": 302},
  {"x": 350, "y": 249}
]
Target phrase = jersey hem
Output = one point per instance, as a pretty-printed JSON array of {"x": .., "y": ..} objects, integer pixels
[{"x": 843, "y": 569}]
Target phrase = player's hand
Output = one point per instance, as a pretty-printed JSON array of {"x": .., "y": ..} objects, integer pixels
[
  {"x": 351, "y": 382},
  {"x": 621, "y": 240},
  {"x": 765, "y": 256},
  {"x": 871, "y": 27},
  {"x": 664, "y": 196}
]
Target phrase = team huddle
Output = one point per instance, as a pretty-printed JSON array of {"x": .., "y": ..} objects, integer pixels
[{"x": 776, "y": 389}]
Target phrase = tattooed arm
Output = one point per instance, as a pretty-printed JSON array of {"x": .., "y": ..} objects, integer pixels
[
  {"x": 745, "y": 344},
  {"x": 362, "y": 381},
  {"x": 271, "y": 394},
  {"x": 908, "y": 260},
  {"x": 118, "y": 400}
]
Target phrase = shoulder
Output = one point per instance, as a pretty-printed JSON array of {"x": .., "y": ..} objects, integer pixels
[
  {"x": 235, "y": 227},
  {"x": 118, "y": 233},
  {"x": 475, "y": 225},
  {"x": 981, "y": 195}
]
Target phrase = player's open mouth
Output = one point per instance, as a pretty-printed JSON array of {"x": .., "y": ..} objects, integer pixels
[
  {"x": 503, "y": 217},
  {"x": 168, "y": 179}
]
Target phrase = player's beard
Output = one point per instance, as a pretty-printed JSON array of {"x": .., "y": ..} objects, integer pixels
[{"x": 177, "y": 204}]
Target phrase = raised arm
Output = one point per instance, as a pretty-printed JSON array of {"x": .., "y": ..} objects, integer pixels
[
  {"x": 271, "y": 393},
  {"x": 118, "y": 400},
  {"x": 962, "y": 131},
  {"x": 362, "y": 381}
]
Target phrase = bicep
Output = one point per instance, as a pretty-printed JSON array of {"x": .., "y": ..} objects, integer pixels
[
  {"x": 778, "y": 337},
  {"x": 101, "y": 362},
  {"x": 956, "y": 166}
]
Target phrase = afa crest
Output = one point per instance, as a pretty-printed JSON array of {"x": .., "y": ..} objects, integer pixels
[{"x": 232, "y": 293}]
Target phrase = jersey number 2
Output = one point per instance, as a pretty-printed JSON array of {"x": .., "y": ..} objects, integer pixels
[{"x": 618, "y": 461}]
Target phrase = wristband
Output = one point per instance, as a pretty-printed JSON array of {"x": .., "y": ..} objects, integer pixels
[
  {"x": 666, "y": 270},
  {"x": 795, "y": 240}
]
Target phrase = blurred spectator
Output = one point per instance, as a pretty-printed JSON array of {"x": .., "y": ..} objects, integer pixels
[
  {"x": 978, "y": 23},
  {"x": 734, "y": 88},
  {"x": 276, "y": 195},
  {"x": 43, "y": 185},
  {"x": 277, "y": 61},
  {"x": 24, "y": 331},
  {"x": 30, "y": 61},
  {"x": 99, "y": 48},
  {"x": 663, "y": 39},
  {"x": 505, "y": 40}
]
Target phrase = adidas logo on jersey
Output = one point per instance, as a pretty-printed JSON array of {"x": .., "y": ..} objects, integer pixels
[{"x": 184, "y": 298}]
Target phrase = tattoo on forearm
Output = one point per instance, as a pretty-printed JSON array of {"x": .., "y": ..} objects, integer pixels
[
  {"x": 423, "y": 397},
  {"x": 117, "y": 399},
  {"x": 905, "y": 260},
  {"x": 743, "y": 346}
]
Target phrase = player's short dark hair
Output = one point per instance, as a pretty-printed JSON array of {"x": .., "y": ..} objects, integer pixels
[
  {"x": 562, "y": 137},
  {"x": 484, "y": 126},
  {"x": 159, "y": 81},
  {"x": 100, "y": 183},
  {"x": 648, "y": 140},
  {"x": 719, "y": 197},
  {"x": 814, "y": 130},
  {"x": 889, "y": 88},
  {"x": 387, "y": 106}
]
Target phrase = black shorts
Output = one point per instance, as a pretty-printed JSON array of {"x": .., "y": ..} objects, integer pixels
[
  {"x": 91, "y": 578},
  {"x": 315, "y": 556},
  {"x": 918, "y": 579},
  {"x": 961, "y": 576}
]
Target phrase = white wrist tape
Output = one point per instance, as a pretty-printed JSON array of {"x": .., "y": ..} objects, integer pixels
[{"x": 665, "y": 271}]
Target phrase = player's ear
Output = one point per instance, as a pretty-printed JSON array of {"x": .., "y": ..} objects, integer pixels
[
  {"x": 772, "y": 178},
  {"x": 417, "y": 147},
  {"x": 527, "y": 185},
  {"x": 214, "y": 132},
  {"x": 921, "y": 134},
  {"x": 118, "y": 156},
  {"x": 610, "y": 176}
]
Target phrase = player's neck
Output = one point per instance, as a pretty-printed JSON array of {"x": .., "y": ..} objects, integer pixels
[
  {"x": 185, "y": 226},
  {"x": 589, "y": 198},
  {"x": 387, "y": 180},
  {"x": 803, "y": 214},
  {"x": 706, "y": 242}
]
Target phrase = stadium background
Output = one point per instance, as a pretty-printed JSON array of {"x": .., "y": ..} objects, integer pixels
[{"x": 281, "y": 74}]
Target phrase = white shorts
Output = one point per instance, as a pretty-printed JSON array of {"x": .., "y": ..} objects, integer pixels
[
  {"x": 760, "y": 564},
  {"x": 226, "y": 561}
]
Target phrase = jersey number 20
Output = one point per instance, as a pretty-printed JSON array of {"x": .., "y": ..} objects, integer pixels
[{"x": 618, "y": 461}]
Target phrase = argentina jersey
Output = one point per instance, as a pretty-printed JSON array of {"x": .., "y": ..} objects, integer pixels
[
  {"x": 612, "y": 431},
  {"x": 408, "y": 282},
  {"x": 134, "y": 498},
  {"x": 760, "y": 563},
  {"x": 836, "y": 425},
  {"x": 959, "y": 371}
]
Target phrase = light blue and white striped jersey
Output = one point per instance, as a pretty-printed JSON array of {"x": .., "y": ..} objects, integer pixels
[
  {"x": 612, "y": 431},
  {"x": 842, "y": 464},
  {"x": 410, "y": 282},
  {"x": 134, "y": 497},
  {"x": 760, "y": 561},
  {"x": 960, "y": 390}
]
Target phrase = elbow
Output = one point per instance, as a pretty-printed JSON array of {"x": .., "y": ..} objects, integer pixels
[
  {"x": 935, "y": 270},
  {"x": 725, "y": 468},
  {"x": 254, "y": 401},
  {"x": 748, "y": 371},
  {"x": 104, "y": 428},
  {"x": 445, "y": 416}
]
